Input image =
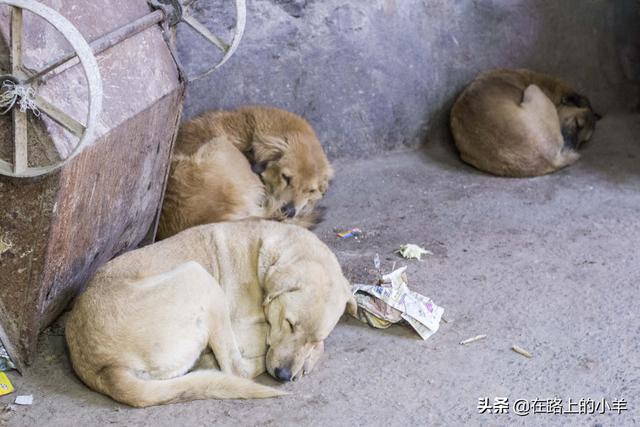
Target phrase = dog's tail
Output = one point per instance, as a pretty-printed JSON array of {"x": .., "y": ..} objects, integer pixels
[{"x": 124, "y": 386}]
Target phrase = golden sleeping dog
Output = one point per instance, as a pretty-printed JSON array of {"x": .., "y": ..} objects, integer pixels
[
  {"x": 254, "y": 161},
  {"x": 259, "y": 295},
  {"x": 520, "y": 123}
]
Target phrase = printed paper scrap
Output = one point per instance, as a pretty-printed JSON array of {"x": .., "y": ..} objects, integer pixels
[{"x": 393, "y": 301}]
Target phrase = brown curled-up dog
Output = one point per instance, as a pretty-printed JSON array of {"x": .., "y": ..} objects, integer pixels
[
  {"x": 520, "y": 123},
  {"x": 214, "y": 184},
  {"x": 284, "y": 173}
]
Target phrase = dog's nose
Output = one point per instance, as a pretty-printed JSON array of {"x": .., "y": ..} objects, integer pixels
[
  {"x": 283, "y": 374},
  {"x": 289, "y": 210}
]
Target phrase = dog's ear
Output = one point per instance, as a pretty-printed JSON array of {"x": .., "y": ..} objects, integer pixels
[
  {"x": 330, "y": 173},
  {"x": 268, "y": 149},
  {"x": 352, "y": 306},
  {"x": 324, "y": 183},
  {"x": 276, "y": 284},
  {"x": 277, "y": 291}
]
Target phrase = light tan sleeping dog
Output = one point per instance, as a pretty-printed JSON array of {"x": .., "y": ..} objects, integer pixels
[
  {"x": 257, "y": 294},
  {"x": 520, "y": 123},
  {"x": 285, "y": 172}
]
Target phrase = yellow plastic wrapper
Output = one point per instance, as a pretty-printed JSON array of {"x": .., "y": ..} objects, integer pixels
[{"x": 5, "y": 385}]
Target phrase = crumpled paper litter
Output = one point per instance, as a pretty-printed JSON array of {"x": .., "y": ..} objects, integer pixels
[{"x": 392, "y": 301}]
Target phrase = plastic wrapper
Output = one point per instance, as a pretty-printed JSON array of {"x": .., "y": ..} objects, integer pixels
[{"x": 5, "y": 361}]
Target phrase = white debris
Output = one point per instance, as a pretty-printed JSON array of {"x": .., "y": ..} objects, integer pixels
[
  {"x": 521, "y": 351},
  {"x": 24, "y": 400},
  {"x": 411, "y": 251},
  {"x": 473, "y": 339}
]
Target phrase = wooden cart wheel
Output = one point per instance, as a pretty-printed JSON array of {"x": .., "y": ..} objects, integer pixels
[
  {"x": 228, "y": 49},
  {"x": 26, "y": 98}
]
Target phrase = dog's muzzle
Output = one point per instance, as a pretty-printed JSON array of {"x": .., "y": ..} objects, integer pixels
[
  {"x": 283, "y": 374},
  {"x": 289, "y": 210}
]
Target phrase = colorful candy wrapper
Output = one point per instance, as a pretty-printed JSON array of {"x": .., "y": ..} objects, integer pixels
[{"x": 354, "y": 232}]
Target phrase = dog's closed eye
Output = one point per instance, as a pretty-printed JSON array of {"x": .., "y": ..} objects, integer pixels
[{"x": 286, "y": 178}]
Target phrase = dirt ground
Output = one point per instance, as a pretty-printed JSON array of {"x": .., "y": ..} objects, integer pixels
[{"x": 550, "y": 264}]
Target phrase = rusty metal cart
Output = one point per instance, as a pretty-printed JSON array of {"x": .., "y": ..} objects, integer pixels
[{"x": 85, "y": 143}]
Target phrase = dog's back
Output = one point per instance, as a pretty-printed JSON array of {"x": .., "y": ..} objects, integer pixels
[
  {"x": 213, "y": 184},
  {"x": 242, "y": 127}
]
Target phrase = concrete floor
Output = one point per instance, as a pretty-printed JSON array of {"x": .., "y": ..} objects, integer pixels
[{"x": 550, "y": 264}]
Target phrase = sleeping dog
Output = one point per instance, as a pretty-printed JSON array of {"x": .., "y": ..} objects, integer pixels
[
  {"x": 252, "y": 162},
  {"x": 252, "y": 295},
  {"x": 520, "y": 123}
]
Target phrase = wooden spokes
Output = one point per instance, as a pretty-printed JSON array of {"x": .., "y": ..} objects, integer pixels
[
  {"x": 228, "y": 48},
  {"x": 23, "y": 100}
]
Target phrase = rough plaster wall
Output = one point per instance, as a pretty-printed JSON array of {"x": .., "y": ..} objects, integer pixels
[
  {"x": 372, "y": 75},
  {"x": 628, "y": 43}
]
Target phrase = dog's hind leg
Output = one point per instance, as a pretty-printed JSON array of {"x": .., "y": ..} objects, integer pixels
[
  {"x": 206, "y": 361},
  {"x": 535, "y": 101},
  {"x": 556, "y": 148}
]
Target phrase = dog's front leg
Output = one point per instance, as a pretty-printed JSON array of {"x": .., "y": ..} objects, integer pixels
[
  {"x": 255, "y": 366},
  {"x": 223, "y": 341},
  {"x": 313, "y": 358}
]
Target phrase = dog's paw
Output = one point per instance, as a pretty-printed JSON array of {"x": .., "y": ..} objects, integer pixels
[
  {"x": 313, "y": 358},
  {"x": 243, "y": 368}
]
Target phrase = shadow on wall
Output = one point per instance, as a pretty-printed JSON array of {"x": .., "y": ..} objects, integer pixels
[
  {"x": 627, "y": 17},
  {"x": 614, "y": 152},
  {"x": 377, "y": 75}
]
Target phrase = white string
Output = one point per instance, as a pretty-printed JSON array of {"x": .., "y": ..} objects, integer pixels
[{"x": 23, "y": 95}]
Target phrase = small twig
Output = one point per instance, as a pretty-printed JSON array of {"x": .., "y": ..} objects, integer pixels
[
  {"x": 473, "y": 339},
  {"x": 521, "y": 351}
]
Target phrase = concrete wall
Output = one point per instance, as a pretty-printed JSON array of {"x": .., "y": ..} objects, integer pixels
[{"x": 373, "y": 75}]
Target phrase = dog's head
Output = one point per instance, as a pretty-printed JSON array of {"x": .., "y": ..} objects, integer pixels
[
  {"x": 577, "y": 119},
  {"x": 294, "y": 170},
  {"x": 303, "y": 303}
]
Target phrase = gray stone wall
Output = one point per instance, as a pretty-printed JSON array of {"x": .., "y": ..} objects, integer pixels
[{"x": 375, "y": 75}]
